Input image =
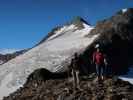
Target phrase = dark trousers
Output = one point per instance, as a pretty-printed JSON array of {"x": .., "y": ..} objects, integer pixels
[{"x": 100, "y": 70}]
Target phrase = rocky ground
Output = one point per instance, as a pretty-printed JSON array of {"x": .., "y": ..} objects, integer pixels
[{"x": 62, "y": 89}]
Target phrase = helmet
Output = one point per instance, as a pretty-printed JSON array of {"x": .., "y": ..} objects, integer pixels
[{"x": 97, "y": 46}]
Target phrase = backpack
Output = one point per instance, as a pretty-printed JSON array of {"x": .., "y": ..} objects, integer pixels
[{"x": 98, "y": 58}]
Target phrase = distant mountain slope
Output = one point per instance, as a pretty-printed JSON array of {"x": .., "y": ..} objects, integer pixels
[
  {"x": 49, "y": 54},
  {"x": 8, "y": 54},
  {"x": 8, "y": 51}
]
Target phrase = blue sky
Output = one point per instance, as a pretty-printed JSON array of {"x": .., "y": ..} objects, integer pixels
[{"x": 25, "y": 22}]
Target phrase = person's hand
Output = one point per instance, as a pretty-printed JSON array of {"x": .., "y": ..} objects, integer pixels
[{"x": 105, "y": 62}]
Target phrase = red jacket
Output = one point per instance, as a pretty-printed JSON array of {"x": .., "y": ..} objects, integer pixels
[{"x": 98, "y": 58}]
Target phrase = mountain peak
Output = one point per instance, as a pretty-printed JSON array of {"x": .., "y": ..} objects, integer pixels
[{"x": 78, "y": 20}]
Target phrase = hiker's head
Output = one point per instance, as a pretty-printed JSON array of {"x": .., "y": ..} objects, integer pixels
[
  {"x": 97, "y": 47},
  {"x": 75, "y": 55}
]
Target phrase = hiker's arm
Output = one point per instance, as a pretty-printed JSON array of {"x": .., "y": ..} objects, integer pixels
[
  {"x": 93, "y": 58},
  {"x": 105, "y": 62}
]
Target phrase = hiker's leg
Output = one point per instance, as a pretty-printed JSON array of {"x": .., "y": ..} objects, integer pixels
[
  {"x": 98, "y": 71},
  {"x": 74, "y": 79},
  {"x": 101, "y": 72},
  {"x": 77, "y": 79},
  {"x": 104, "y": 71}
]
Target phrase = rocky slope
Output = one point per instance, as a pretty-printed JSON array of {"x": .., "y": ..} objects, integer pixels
[
  {"x": 62, "y": 89},
  {"x": 116, "y": 38}
]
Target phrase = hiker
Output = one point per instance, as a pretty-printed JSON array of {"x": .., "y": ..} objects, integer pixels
[
  {"x": 100, "y": 61},
  {"x": 75, "y": 71}
]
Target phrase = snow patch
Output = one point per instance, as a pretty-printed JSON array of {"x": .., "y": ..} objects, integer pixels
[
  {"x": 129, "y": 76},
  {"x": 124, "y": 10}
]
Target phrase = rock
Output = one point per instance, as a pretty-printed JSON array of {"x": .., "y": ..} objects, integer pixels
[{"x": 56, "y": 89}]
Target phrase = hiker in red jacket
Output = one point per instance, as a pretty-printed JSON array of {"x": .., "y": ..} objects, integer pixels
[{"x": 100, "y": 62}]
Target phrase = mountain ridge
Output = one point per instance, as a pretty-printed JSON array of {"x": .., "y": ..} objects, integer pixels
[{"x": 78, "y": 21}]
